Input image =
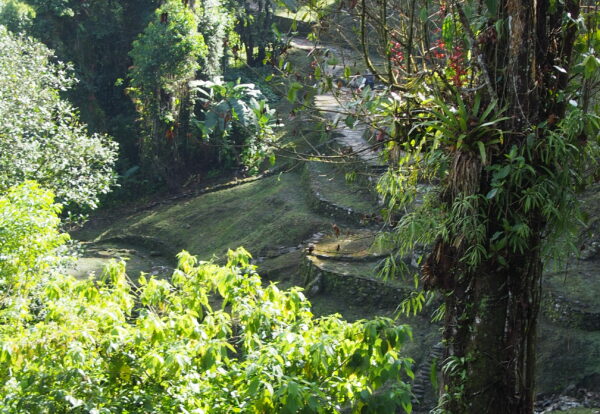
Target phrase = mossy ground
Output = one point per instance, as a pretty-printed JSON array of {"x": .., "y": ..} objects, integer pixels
[
  {"x": 351, "y": 244},
  {"x": 361, "y": 269},
  {"x": 258, "y": 215},
  {"x": 138, "y": 259},
  {"x": 578, "y": 283},
  {"x": 331, "y": 183}
]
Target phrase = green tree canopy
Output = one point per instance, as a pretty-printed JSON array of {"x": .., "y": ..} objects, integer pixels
[
  {"x": 213, "y": 339},
  {"x": 41, "y": 137},
  {"x": 16, "y": 16},
  {"x": 167, "y": 52}
]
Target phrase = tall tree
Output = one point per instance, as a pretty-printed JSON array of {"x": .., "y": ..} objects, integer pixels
[
  {"x": 526, "y": 189},
  {"x": 41, "y": 137},
  {"x": 484, "y": 100},
  {"x": 254, "y": 22},
  {"x": 165, "y": 58}
]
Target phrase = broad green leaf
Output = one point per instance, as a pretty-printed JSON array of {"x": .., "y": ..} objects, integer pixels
[{"x": 491, "y": 193}]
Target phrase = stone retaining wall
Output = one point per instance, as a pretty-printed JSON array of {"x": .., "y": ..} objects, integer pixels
[
  {"x": 560, "y": 310},
  {"x": 362, "y": 289},
  {"x": 328, "y": 208}
]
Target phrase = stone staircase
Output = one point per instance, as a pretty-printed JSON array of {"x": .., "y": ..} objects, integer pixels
[
  {"x": 345, "y": 260},
  {"x": 422, "y": 388},
  {"x": 351, "y": 140}
]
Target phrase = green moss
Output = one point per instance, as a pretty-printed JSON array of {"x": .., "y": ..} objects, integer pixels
[
  {"x": 138, "y": 258},
  {"x": 305, "y": 13},
  {"x": 331, "y": 184},
  {"x": 367, "y": 269},
  {"x": 351, "y": 245},
  {"x": 578, "y": 284},
  {"x": 283, "y": 269},
  {"x": 262, "y": 214},
  {"x": 300, "y": 136}
]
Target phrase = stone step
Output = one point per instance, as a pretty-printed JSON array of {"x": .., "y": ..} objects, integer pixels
[{"x": 422, "y": 383}]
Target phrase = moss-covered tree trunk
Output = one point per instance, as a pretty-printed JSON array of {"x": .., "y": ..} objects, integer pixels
[
  {"x": 492, "y": 309},
  {"x": 490, "y": 330}
]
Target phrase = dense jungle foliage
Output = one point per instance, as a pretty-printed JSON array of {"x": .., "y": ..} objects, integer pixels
[
  {"x": 485, "y": 117},
  {"x": 211, "y": 339},
  {"x": 134, "y": 62},
  {"x": 42, "y": 137}
]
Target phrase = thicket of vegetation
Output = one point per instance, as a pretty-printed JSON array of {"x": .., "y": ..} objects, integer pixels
[
  {"x": 492, "y": 105},
  {"x": 135, "y": 61},
  {"x": 41, "y": 136},
  {"x": 211, "y": 339}
]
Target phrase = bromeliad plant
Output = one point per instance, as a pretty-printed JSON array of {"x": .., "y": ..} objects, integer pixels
[
  {"x": 212, "y": 339},
  {"x": 463, "y": 127}
]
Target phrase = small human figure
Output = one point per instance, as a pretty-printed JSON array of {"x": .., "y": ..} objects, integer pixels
[
  {"x": 336, "y": 230},
  {"x": 355, "y": 81},
  {"x": 369, "y": 80}
]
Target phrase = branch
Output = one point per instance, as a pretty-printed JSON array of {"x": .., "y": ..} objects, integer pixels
[
  {"x": 477, "y": 51},
  {"x": 363, "y": 42}
]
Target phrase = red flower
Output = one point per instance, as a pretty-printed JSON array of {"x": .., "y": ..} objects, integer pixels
[
  {"x": 443, "y": 7},
  {"x": 457, "y": 63},
  {"x": 396, "y": 53},
  {"x": 439, "y": 49}
]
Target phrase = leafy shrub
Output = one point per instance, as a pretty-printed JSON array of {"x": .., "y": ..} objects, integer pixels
[
  {"x": 256, "y": 76},
  {"x": 28, "y": 233},
  {"x": 238, "y": 120},
  {"x": 166, "y": 53},
  {"x": 212, "y": 339},
  {"x": 16, "y": 16}
]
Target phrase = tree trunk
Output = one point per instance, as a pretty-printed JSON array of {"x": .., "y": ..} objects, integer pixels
[
  {"x": 492, "y": 310},
  {"x": 245, "y": 30},
  {"x": 249, "y": 46},
  {"x": 265, "y": 20},
  {"x": 490, "y": 332}
]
